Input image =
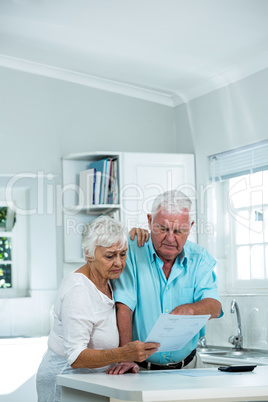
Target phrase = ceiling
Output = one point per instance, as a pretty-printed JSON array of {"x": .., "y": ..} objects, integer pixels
[{"x": 165, "y": 51}]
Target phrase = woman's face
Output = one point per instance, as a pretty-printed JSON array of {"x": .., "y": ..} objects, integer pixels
[{"x": 109, "y": 262}]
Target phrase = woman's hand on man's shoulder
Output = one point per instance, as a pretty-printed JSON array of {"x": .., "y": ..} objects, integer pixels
[{"x": 142, "y": 235}]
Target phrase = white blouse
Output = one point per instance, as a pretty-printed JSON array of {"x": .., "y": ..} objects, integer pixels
[{"x": 84, "y": 318}]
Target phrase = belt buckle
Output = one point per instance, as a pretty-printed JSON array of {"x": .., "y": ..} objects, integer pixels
[
  {"x": 170, "y": 364},
  {"x": 176, "y": 364}
]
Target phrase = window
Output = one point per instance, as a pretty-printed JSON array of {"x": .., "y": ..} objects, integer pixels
[
  {"x": 248, "y": 215},
  {"x": 240, "y": 183}
]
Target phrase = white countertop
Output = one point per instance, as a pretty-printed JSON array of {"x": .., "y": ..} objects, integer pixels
[{"x": 172, "y": 385}]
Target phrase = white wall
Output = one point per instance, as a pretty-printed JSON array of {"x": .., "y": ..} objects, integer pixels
[
  {"x": 229, "y": 118},
  {"x": 41, "y": 119}
]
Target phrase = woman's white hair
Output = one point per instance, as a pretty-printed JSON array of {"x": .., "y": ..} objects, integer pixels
[
  {"x": 105, "y": 232},
  {"x": 173, "y": 202}
]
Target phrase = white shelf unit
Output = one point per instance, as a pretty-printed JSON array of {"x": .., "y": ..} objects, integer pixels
[
  {"x": 142, "y": 176},
  {"x": 76, "y": 216},
  {"x": 5, "y": 234}
]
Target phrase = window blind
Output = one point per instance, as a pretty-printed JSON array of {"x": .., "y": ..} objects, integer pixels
[{"x": 249, "y": 159}]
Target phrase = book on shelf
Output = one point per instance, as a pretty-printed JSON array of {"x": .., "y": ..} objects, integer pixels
[
  {"x": 110, "y": 196},
  {"x": 97, "y": 188},
  {"x": 86, "y": 187}
]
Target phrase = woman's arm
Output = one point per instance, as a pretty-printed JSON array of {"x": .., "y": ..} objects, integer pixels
[{"x": 133, "y": 351}]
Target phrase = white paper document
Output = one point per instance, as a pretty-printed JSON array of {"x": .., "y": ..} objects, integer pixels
[{"x": 173, "y": 332}]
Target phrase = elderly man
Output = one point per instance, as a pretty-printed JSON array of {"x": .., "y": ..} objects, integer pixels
[{"x": 169, "y": 274}]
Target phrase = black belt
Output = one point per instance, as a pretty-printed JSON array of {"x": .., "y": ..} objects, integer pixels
[{"x": 169, "y": 366}]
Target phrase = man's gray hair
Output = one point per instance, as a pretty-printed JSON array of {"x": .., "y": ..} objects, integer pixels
[
  {"x": 105, "y": 232},
  {"x": 173, "y": 202}
]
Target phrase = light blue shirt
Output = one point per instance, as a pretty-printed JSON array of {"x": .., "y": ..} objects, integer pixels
[{"x": 144, "y": 288}]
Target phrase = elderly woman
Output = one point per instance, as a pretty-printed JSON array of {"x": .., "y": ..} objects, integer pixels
[{"x": 84, "y": 337}]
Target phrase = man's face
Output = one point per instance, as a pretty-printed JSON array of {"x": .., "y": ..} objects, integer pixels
[{"x": 169, "y": 233}]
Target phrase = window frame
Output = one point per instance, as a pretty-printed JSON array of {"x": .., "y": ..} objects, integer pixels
[
  {"x": 19, "y": 235},
  {"x": 8, "y": 262},
  {"x": 7, "y": 234}
]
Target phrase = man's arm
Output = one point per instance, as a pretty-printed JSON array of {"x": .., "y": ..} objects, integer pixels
[
  {"x": 202, "y": 307},
  {"x": 124, "y": 323}
]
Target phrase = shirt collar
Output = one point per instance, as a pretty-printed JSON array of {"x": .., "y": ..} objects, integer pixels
[
  {"x": 181, "y": 258},
  {"x": 151, "y": 249}
]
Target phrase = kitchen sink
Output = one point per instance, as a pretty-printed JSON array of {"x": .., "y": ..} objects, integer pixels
[
  {"x": 210, "y": 350},
  {"x": 233, "y": 353}
]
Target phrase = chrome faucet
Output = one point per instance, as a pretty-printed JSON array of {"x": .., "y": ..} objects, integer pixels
[
  {"x": 236, "y": 340},
  {"x": 203, "y": 342}
]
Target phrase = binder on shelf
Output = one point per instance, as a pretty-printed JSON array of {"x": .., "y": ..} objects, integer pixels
[
  {"x": 115, "y": 183},
  {"x": 106, "y": 181},
  {"x": 100, "y": 166},
  {"x": 109, "y": 198},
  {"x": 86, "y": 187},
  {"x": 94, "y": 184}
]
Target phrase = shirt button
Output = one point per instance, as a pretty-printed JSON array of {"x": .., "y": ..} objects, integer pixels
[
  {"x": 167, "y": 288},
  {"x": 166, "y": 310},
  {"x": 165, "y": 356}
]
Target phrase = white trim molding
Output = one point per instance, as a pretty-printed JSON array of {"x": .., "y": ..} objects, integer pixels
[
  {"x": 75, "y": 77},
  {"x": 162, "y": 97}
]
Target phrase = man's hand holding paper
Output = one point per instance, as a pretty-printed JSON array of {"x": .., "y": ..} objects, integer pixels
[{"x": 173, "y": 332}]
